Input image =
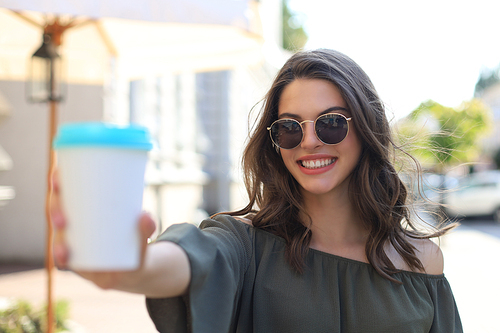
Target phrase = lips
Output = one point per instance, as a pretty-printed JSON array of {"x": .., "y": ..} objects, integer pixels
[{"x": 312, "y": 165}]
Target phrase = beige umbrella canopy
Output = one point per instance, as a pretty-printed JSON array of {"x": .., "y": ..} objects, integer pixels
[
  {"x": 105, "y": 40},
  {"x": 197, "y": 42}
]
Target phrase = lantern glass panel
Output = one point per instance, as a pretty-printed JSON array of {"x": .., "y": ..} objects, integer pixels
[{"x": 46, "y": 75}]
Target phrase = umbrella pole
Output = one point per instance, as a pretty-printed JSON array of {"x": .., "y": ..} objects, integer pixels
[
  {"x": 55, "y": 29},
  {"x": 49, "y": 256}
]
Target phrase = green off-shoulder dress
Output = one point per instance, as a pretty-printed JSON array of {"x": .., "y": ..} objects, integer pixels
[{"x": 242, "y": 283}]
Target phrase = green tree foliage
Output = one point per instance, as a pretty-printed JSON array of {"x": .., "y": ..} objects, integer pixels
[
  {"x": 441, "y": 136},
  {"x": 294, "y": 36},
  {"x": 20, "y": 317}
]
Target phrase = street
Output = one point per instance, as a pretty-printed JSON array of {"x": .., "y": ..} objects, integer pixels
[{"x": 472, "y": 266}]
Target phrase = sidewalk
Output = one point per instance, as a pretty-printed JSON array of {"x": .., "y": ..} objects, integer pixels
[
  {"x": 471, "y": 266},
  {"x": 92, "y": 310}
]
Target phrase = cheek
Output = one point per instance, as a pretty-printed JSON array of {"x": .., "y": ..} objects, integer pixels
[
  {"x": 354, "y": 142},
  {"x": 288, "y": 159},
  {"x": 351, "y": 151},
  {"x": 286, "y": 156}
]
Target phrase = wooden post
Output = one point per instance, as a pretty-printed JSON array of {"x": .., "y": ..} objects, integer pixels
[{"x": 49, "y": 255}]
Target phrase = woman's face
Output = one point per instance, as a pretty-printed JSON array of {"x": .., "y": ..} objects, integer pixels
[{"x": 318, "y": 168}]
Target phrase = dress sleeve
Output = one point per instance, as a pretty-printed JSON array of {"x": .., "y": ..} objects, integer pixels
[
  {"x": 446, "y": 316},
  {"x": 219, "y": 254}
]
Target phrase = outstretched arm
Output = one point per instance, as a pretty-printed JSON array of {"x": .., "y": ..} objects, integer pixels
[{"x": 164, "y": 270}]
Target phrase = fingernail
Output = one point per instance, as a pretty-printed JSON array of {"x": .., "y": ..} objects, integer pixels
[{"x": 57, "y": 220}]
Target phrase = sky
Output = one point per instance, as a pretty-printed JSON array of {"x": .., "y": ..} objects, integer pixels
[{"x": 412, "y": 50}]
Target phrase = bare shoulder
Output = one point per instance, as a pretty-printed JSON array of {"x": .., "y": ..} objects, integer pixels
[
  {"x": 243, "y": 219},
  {"x": 429, "y": 254},
  {"x": 426, "y": 251}
]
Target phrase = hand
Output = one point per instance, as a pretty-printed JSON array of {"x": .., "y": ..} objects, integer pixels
[
  {"x": 122, "y": 280},
  {"x": 164, "y": 269},
  {"x": 106, "y": 280}
]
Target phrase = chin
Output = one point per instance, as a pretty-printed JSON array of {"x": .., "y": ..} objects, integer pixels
[
  {"x": 318, "y": 189},
  {"x": 323, "y": 188}
]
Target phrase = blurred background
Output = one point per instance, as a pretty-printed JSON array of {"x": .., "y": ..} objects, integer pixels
[{"x": 194, "y": 72}]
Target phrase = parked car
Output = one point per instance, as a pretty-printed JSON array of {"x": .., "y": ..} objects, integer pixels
[
  {"x": 430, "y": 191},
  {"x": 475, "y": 195},
  {"x": 432, "y": 186}
]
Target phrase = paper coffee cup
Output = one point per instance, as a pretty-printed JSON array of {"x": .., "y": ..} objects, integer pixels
[{"x": 101, "y": 174}]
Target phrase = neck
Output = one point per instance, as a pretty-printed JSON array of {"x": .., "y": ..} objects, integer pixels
[{"x": 336, "y": 227}]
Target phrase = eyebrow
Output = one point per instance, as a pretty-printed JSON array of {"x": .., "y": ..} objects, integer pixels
[{"x": 296, "y": 116}]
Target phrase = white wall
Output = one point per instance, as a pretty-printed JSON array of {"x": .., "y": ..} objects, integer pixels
[{"x": 24, "y": 136}]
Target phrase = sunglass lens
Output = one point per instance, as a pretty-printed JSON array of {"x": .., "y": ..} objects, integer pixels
[
  {"x": 331, "y": 128},
  {"x": 286, "y": 133}
]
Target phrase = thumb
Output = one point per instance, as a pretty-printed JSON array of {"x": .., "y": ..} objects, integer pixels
[{"x": 146, "y": 228}]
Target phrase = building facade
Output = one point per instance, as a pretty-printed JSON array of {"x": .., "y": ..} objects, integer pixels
[{"x": 199, "y": 122}]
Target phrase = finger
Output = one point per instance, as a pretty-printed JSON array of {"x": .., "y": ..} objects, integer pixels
[
  {"x": 146, "y": 226},
  {"x": 55, "y": 181},
  {"x": 61, "y": 255},
  {"x": 61, "y": 251},
  {"x": 56, "y": 213},
  {"x": 58, "y": 219}
]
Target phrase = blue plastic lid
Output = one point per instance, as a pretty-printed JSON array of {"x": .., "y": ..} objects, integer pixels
[{"x": 103, "y": 134}]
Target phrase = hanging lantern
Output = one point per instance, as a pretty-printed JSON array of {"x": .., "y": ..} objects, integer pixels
[{"x": 46, "y": 79}]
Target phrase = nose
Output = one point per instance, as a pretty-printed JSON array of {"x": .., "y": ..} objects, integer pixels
[{"x": 310, "y": 140}]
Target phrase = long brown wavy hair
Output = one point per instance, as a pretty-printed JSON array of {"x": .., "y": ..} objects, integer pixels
[{"x": 376, "y": 190}]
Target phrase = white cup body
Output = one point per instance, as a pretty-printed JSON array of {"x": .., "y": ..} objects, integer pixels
[{"x": 101, "y": 191}]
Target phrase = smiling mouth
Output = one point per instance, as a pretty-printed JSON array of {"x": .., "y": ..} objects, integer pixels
[{"x": 316, "y": 164}]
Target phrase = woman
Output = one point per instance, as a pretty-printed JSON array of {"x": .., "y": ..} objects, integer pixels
[{"x": 326, "y": 243}]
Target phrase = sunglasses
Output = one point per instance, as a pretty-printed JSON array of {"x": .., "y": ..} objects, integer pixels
[{"x": 330, "y": 128}]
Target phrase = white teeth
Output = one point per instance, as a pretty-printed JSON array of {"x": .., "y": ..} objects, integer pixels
[{"x": 315, "y": 164}]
